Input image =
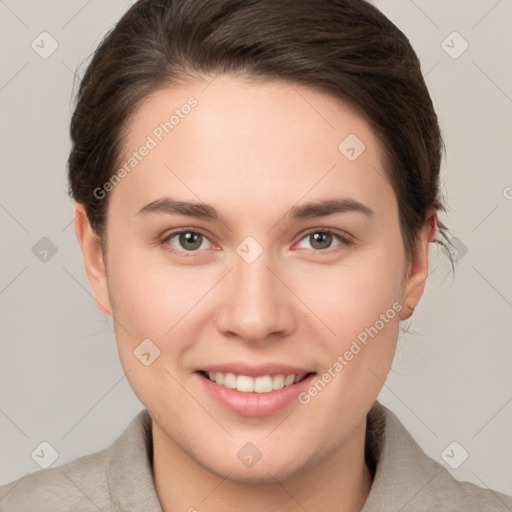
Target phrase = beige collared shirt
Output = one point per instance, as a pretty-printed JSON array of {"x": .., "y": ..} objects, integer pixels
[{"x": 119, "y": 478}]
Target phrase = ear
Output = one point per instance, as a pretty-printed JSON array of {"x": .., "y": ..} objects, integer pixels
[
  {"x": 93, "y": 259},
  {"x": 416, "y": 277}
]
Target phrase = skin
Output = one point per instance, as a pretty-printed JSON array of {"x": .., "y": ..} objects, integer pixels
[{"x": 253, "y": 151}]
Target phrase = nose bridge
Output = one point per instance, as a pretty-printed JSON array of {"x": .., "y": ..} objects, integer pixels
[{"x": 255, "y": 305}]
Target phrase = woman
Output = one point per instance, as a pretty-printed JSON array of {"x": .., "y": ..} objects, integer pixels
[{"x": 257, "y": 189}]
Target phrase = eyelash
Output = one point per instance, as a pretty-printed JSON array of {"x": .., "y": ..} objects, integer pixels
[{"x": 345, "y": 241}]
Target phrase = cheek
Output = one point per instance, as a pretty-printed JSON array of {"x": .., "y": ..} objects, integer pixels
[
  {"x": 358, "y": 304},
  {"x": 153, "y": 296},
  {"x": 359, "y": 308},
  {"x": 349, "y": 297},
  {"x": 152, "y": 301}
]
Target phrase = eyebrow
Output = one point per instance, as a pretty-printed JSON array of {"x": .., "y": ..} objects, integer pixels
[{"x": 170, "y": 206}]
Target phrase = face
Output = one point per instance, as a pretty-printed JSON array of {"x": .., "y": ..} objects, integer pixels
[{"x": 288, "y": 269}]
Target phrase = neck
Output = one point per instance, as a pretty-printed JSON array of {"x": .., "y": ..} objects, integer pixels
[{"x": 340, "y": 482}]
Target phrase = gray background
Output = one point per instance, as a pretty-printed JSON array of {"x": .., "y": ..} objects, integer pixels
[{"x": 60, "y": 379}]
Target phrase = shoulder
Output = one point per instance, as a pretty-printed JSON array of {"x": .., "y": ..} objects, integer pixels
[
  {"x": 407, "y": 479},
  {"x": 79, "y": 485},
  {"x": 116, "y": 478}
]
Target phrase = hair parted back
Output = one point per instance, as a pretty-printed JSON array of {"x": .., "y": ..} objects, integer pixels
[{"x": 346, "y": 48}]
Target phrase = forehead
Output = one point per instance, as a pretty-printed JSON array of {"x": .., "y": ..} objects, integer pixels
[{"x": 239, "y": 141}]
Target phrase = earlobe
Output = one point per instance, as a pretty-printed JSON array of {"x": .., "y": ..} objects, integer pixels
[
  {"x": 93, "y": 259},
  {"x": 418, "y": 268}
]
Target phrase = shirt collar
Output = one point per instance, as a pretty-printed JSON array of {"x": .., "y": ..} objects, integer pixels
[
  {"x": 129, "y": 468},
  {"x": 403, "y": 471}
]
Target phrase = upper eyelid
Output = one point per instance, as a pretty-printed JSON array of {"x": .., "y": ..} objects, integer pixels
[
  {"x": 172, "y": 234},
  {"x": 338, "y": 232}
]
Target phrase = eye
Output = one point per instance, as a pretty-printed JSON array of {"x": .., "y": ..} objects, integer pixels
[
  {"x": 192, "y": 241},
  {"x": 188, "y": 241},
  {"x": 321, "y": 240}
]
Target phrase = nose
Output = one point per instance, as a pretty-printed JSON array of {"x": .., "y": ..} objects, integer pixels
[{"x": 256, "y": 304}]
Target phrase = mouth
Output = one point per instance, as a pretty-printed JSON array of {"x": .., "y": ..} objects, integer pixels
[
  {"x": 256, "y": 395},
  {"x": 260, "y": 384}
]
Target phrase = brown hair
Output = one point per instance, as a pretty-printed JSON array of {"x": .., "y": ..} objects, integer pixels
[{"x": 346, "y": 48}]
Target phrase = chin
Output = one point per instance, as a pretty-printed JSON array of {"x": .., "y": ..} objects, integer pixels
[
  {"x": 260, "y": 473},
  {"x": 274, "y": 464}
]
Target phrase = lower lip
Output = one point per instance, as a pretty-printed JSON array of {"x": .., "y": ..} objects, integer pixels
[{"x": 254, "y": 404}]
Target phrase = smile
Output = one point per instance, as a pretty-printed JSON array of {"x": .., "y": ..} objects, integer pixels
[{"x": 248, "y": 384}]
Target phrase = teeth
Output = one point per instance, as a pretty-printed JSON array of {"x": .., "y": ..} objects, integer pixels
[
  {"x": 245, "y": 383},
  {"x": 229, "y": 380},
  {"x": 278, "y": 381},
  {"x": 263, "y": 384}
]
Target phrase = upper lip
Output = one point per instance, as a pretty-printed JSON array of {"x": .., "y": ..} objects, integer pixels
[{"x": 255, "y": 370}]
